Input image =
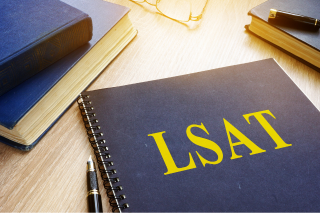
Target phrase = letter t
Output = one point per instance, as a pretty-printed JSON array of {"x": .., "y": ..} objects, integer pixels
[{"x": 264, "y": 123}]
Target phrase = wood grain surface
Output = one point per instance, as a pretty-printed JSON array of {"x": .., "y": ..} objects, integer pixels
[{"x": 52, "y": 176}]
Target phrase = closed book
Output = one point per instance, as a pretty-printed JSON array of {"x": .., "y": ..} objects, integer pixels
[
  {"x": 242, "y": 138},
  {"x": 35, "y": 34},
  {"x": 300, "y": 42},
  {"x": 31, "y": 108}
]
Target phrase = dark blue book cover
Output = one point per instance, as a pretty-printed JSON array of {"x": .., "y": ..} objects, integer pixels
[
  {"x": 308, "y": 37},
  {"x": 35, "y": 34},
  {"x": 17, "y": 102},
  {"x": 242, "y": 138}
]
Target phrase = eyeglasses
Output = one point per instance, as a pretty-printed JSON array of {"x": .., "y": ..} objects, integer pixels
[{"x": 178, "y": 10}]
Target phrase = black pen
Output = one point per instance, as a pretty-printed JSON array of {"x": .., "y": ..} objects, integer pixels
[
  {"x": 94, "y": 197},
  {"x": 304, "y": 20}
]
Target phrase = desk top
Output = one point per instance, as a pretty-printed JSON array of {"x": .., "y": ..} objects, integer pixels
[{"x": 52, "y": 176}]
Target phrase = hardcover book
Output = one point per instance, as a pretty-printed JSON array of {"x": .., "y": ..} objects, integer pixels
[
  {"x": 35, "y": 34},
  {"x": 31, "y": 108},
  {"x": 300, "y": 42},
  {"x": 242, "y": 138}
]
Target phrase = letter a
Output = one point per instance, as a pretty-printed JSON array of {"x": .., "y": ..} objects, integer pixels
[
  {"x": 264, "y": 123},
  {"x": 167, "y": 157},
  {"x": 204, "y": 143},
  {"x": 243, "y": 140}
]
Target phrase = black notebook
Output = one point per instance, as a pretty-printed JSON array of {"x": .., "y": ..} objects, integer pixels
[{"x": 242, "y": 138}]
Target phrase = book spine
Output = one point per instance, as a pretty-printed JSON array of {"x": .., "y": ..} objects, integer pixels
[
  {"x": 101, "y": 151},
  {"x": 44, "y": 52}
]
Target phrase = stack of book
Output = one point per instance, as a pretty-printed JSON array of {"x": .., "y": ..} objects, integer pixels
[{"x": 50, "y": 52}]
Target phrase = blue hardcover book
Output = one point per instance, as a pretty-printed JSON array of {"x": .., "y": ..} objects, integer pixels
[
  {"x": 294, "y": 39},
  {"x": 30, "y": 109},
  {"x": 35, "y": 34}
]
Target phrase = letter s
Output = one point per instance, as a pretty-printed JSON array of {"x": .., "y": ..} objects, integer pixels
[{"x": 204, "y": 143}]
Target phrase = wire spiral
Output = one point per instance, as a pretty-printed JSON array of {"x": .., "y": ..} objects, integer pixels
[{"x": 101, "y": 152}]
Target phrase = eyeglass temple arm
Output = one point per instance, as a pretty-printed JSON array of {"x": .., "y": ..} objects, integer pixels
[{"x": 197, "y": 18}]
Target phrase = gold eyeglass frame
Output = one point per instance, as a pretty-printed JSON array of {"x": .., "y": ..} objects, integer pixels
[{"x": 191, "y": 18}]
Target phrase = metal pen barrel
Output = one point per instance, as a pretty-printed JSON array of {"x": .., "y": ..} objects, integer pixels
[
  {"x": 94, "y": 197},
  {"x": 283, "y": 15}
]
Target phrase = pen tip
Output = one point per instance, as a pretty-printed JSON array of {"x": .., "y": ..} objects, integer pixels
[{"x": 90, "y": 159}]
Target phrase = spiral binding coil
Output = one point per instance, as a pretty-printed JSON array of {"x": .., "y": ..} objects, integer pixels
[{"x": 98, "y": 144}]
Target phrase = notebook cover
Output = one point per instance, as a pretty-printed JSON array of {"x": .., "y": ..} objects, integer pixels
[
  {"x": 35, "y": 34},
  {"x": 306, "y": 8},
  {"x": 18, "y": 101},
  {"x": 274, "y": 179}
]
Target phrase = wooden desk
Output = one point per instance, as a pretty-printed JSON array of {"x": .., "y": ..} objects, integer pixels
[{"x": 52, "y": 176}]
